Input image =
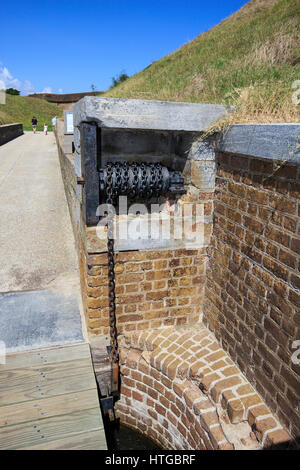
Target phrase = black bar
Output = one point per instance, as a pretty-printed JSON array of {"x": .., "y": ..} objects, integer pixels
[{"x": 88, "y": 144}]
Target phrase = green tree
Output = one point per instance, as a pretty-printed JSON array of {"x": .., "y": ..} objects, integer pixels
[
  {"x": 119, "y": 78},
  {"x": 12, "y": 91}
]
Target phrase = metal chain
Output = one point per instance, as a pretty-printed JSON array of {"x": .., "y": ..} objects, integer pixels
[{"x": 111, "y": 265}]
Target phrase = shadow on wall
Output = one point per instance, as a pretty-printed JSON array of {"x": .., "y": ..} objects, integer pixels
[{"x": 9, "y": 132}]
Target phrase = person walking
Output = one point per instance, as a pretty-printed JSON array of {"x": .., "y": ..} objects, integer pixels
[
  {"x": 34, "y": 124},
  {"x": 45, "y": 128},
  {"x": 54, "y": 123}
]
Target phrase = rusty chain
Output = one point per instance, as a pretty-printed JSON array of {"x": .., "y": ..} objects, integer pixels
[{"x": 111, "y": 267}]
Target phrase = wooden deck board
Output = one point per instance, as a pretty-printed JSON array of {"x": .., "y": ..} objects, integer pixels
[
  {"x": 49, "y": 429},
  {"x": 44, "y": 356},
  {"x": 83, "y": 441},
  {"x": 49, "y": 400},
  {"x": 20, "y": 385}
]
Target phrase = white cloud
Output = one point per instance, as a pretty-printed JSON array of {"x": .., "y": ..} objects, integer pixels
[
  {"x": 60, "y": 90},
  {"x": 11, "y": 82},
  {"x": 25, "y": 88},
  {"x": 8, "y": 79},
  {"x": 28, "y": 87}
]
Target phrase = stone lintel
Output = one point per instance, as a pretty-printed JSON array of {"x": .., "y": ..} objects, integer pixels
[
  {"x": 147, "y": 114},
  {"x": 268, "y": 141}
]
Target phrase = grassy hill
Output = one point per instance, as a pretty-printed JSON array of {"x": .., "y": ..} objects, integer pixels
[
  {"x": 21, "y": 109},
  {"x": 249, "y": 60}
]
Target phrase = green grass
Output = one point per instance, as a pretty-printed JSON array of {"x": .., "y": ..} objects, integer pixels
[
  {"x": 249, "y": 60},
  {"x": 22, "y": 108}
]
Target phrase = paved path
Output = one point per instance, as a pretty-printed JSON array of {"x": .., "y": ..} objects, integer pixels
[{"x": 39, "y": 282}]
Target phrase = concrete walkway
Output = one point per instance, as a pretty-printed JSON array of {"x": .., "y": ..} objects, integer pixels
[{"x": 40, "y": 302}]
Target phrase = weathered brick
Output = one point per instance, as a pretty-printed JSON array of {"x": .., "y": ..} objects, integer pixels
[
  {"x": 291, "y": 378},
  {"x": 125, "y": 391},
  {"x": 277, "y": 438},
  {"x": 253, "y": 224},
  {"x": 124, "y": 256},
  {"x": 235, "y": 409},
  {"x": 258, "y": 196},
  {"x": 224, "y": 384},
  {"x": 123, "y": 355},
  {"x": 172, "y": 368},
  {"x": 137, "y": 396},
  {"x": 167, "y": 382},
  {"x": 295, "y": 281},
  {"x": 288, "y": 259},
  {"x": 129, "y": 318},
  {"x": 157, "y": 275},
  {"x": 279, "y": 236},
  {"x": 160, "y": 409},
  {"x": 209, "y": 419},
  {"x": 185, "y": 271},
  {"x": 275, "y": 331},
  {"x": 157, "y": 295},
  {"x": 257, "y": 412},
  {"x": 128, "y": 299},
  {"x": 179, "y": 387},
  {"x": 202, "y": 405},
  {"x": 208, "y": 380},
  {"x": 250, "y": 401},
  {"x": 143, "y": 367},
  {"x": 283, "y": 204},
  {"x": 195, "y": 368},
  {"x": 294, "y": 297},
  {"x": 217, "y": 436},
  {"x": 160, "y": 264},
  {"x": 276, "y": 268},
  {"x": 192, "y": 394},
  {"x": 100, "y": 259},
  {"x": 164, "y": 402},
  {"x": 226, "y": 446},
  {"x": 264, "y": 425},
  {"x": 237, "y": 189},
  {"x": 133, "y": 358}
]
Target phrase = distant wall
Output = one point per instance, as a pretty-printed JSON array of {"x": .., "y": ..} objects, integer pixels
[
  {"x": 66, "y": 100},
  {"x": 9, "y": 132}
]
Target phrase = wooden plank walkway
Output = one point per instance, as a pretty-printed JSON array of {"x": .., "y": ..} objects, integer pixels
[{"x": 49, "y": 400}]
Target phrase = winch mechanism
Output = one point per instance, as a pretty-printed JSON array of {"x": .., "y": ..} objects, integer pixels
[
  {"x": 140, "y": 180},
  {"x": 137, "y": 181}
]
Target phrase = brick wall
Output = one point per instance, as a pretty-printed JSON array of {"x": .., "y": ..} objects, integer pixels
[
  {"x": 252, "y": 296},
  {"x": 154, "y": 289}
]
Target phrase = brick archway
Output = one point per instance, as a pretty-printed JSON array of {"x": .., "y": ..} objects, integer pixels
[{"x": 182, "y": 390}]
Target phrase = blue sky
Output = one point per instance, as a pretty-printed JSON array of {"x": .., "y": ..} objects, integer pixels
[{"x": 65, "y": 46}]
